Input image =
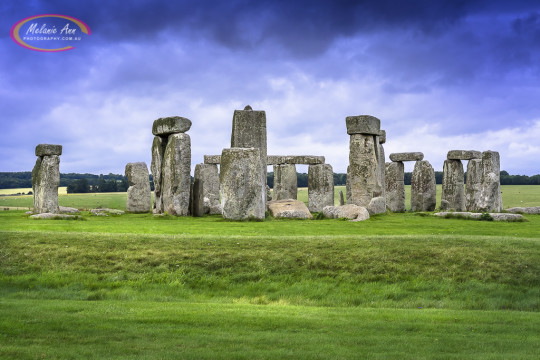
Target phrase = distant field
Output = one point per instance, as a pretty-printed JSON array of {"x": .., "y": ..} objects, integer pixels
[{"x": 61, "y": 191}]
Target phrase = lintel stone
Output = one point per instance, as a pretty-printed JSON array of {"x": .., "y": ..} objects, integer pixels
[
  {"x": 276, "y": 159},
  {"x": 363, "y": 124},
  {"x": 463, "y": 155},
  {"x": 407, "y": 156},
  {"x": 48, "y": 149},
  {"x": 171, "y": 125}
]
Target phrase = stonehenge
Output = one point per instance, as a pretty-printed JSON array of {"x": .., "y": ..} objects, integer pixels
[
  {"x": 171, "y": 165},
  {"x": 139, "y": 198},
  {"x": 46, "y": 178},
  {"x": 285, "y": 183},
  {"x": 208, "y": 177},
  {"x": 423, "y": 188},
  {"x": 395, "y": 186}
]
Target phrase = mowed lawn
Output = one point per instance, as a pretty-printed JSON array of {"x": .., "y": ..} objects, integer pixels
[{"x": 397, "y": 286}]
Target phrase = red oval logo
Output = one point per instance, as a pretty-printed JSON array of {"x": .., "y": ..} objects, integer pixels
[{"x": 49, "y": 32}]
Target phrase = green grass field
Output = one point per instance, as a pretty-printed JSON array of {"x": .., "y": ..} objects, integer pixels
[{"x": 397, "y": 286}]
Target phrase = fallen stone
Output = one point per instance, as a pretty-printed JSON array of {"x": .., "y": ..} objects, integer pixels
[
  {"x": 170, "y": 125},
  {"x": 395, "y": 186},
  {"x": 407, "y": 156},
  {"x": 463, "y": 155},
  {"x": 453, "y": 195},
  {"x": 423, "y": 188},
  {"x": 320, "y": 187},
  {"x": 139, "y": 196},
  {"x": 478, "y": 216},
  {"x": 288, "y": 209},
  {"x": 533, "y": 210},
  {"x": 51, "y": 216},
  {"x": 285, "y": 182},
  {"x": 68, "y": 210},
  {"x": 363, "y": 124},
  {"x": 48, "y": 149},
  {"x": 176, "y": 175},
  {"x": 377, "y": 205},
  {"x": 106, "y": 211},
  {"x": 349, "y": 211},
  {"x": 242, "y": 186}
]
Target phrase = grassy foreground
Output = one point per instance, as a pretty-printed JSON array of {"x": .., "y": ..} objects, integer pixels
[{"x": 398, "y": 286}]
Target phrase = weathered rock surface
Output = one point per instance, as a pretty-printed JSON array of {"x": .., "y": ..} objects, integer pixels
[
  {"x": 341, "y": 198},
  {"x": 285, "y": 182},
  {"x": 48, "y": 149},
  {"x": 463, "y": 155},
  {"x": 363, "y": 124},
  {"x": 45, "y": 181},
  {"x": 170, "y": 125},
  {"x": 294, "y": 159},
  {"x": 289, "y": 209},
  {"x": 158, "y": 152},
  {"x": 533, "y": 210},
  {"x": 176, "y": 175},
  {"x": 489, "y": 198},
  {"x": 407, "y": 156},
  {"x": 68, "y": 210},
  {"x": 395, "y": 186},
  {"x": 209, "y": 176},
  {"x": 268, "y": 194},
  {"x": 349, "y": 211},
  {"x": 139, "y": 196},
  {"x": 473, "y": 184},
  {"x": 51, "y": 216},
  {"x": 212, "y": 159},
  {"x": 377, "y": 205},
  {"x": 478, "y": 216},
  {"x": 381, "y": 168},
  {"x": 423, "y": 188},
  {"x": 363, "y": 174},
  {"x": 242, "y": 185},
  {"x": 197, "y": 201},
  {"x": 106, "y": 212},
  {"x": 320, "y": 187},
  {"x": 249, "y": 131},
  {"x": 453, "y": 195},
  {"x": 382, "y": 136}
]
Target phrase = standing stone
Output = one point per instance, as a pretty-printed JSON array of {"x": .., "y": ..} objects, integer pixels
[
  {"x": 473, "y": 184},
  {"x": 249, "y": 131},
  {"x": 490, "y": 199},
  {"x": 197, "y": 201},
  {"x": 320, "y": 187},
  {"x": 363, "y": 176},
  {"x": 381, "y": 165},
  {"x": 46, "y": 178},
  {"x": 285, "y": 182},
  {"x": 176, "y": 178},
  {"x": 341, "y": 198},
  {"x": 453, "y": 196},
  {"x": 139, "y": 198},
  {"x": 423, "y": 188},
  {"x": 242, "y": 185},
  {"x": 348, "y": 184},
  {"x": 208, "y": 175},
  {"x": 158, "y": 151},
  {"x": 395, "y": 186}
]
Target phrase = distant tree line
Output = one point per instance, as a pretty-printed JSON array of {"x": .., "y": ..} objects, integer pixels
[{"x": 85, "y": 183}]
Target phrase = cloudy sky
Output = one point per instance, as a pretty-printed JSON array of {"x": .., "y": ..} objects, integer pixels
[{"x": 440, "y": 75}]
